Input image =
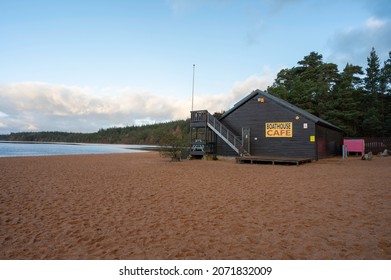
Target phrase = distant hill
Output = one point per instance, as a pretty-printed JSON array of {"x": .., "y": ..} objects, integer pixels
[{"x": 153, "y": 134}]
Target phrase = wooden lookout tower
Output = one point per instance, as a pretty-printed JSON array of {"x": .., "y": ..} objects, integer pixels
[{"x": 204, "y": 130}]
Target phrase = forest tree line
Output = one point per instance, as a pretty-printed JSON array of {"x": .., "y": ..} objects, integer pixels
[
  {"x": 357, "y": 101},
  {"x": 153, "y": 134}
]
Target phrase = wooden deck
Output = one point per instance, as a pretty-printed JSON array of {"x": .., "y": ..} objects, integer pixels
[{"x": 273, "y": 161}]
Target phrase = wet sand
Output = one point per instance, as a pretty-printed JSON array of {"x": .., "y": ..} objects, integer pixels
[{"x": 141, "y": 206}]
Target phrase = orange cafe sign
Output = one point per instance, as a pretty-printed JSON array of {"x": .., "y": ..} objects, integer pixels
[{"x": 278, "y": 129}]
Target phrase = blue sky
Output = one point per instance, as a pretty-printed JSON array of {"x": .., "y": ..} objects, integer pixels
[{"x": 85, "y": 65}]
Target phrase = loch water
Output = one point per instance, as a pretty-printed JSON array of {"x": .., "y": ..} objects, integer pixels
[{"x": 14, "y": 149}]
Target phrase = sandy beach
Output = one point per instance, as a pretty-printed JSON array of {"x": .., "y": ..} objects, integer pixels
[{"x": 141, "y": 206}]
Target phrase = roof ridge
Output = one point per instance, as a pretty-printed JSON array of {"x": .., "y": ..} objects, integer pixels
[{"x": 281, "y": 102}]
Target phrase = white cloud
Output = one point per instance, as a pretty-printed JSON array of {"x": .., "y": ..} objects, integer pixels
[
  {"x": 222, "y": 102},
  {"x": 33, "y": 106},
  {"x": 40, "y": 106},
  {"x": 353, "y": 45},
  {"x": 255, "y": 81},
  {"x": 375, "y": 23}
]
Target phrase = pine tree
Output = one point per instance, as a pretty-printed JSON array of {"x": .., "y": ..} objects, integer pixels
[
  {"x": 386, "y": 74},
  {"x": 345, "y": 111},
  {"x": 386, "y": 89},
  {"x": 373, "y": 75},
  {"x": 308, "y": 85},
  {"x": 372, "y": 102},
  {"x": 361, "y": 107}
]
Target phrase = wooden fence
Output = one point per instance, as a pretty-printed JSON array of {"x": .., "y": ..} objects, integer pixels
[{"x": 376, "y": 144}]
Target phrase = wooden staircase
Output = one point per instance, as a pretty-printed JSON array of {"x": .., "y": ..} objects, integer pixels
[{"x": 232, "y": 140}]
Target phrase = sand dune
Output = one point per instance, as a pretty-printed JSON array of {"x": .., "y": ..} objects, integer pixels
[{"x": 141, "y": 206}]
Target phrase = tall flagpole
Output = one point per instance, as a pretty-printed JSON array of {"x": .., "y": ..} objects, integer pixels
[
  {"x": 192, "y": 107},
  {"x": 192, "y": 92}
]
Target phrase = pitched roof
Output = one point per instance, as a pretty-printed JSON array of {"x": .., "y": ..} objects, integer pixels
[{"x": 284, "y": 104}]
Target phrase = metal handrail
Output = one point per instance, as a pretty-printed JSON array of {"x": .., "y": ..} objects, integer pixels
[
  {"x": 224, "y": 131},
  {"x": 199, "y": 116},
  {"x": 234, "y": 141}
]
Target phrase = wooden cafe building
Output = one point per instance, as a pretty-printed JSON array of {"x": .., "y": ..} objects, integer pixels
[{"x": 263, "y": 127}]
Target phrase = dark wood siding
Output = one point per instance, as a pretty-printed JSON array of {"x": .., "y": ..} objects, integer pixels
[
  {"x": 223, "y": 149},
  {"x": 254, "y": 114},
  {"x": 329, "y": 142}
]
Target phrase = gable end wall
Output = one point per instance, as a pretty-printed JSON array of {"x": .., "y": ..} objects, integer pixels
[{"x": 254, "y": 114}]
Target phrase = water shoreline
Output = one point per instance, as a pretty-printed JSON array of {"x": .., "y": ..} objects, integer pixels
[{"x": 36, "y": 148}]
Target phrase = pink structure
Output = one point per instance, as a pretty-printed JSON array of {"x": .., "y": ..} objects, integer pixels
[{"x": 354, "y": 146}]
